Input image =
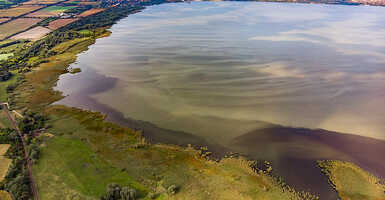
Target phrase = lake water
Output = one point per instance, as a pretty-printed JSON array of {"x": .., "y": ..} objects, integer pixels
[{"x": 222, "y": 70}]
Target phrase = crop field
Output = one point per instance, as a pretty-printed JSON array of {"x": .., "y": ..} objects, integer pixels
[
  {"x": 17, "y": 11},
  {"x": 5, "y": 2},
  {"x": 47, "y": 2},
  {"x": 60, "y": 23},
  {"x": 5, "y": 195},
  {"x": 4, "y": 162},
  {"x": 3, "y": 20},
  {"x": 83, "y": 2},
  {"x": 58, "y": 9},
  {"x": 33, "y": 34},
  {"x": 5, "y": 56},
  {"x": 353, "y": 183},
  {"x": 91, "y": 12},
  {"x": 50, "y": 11},
  {"x": 16, "y": 26},
  {"x": 4, "y": 121}
]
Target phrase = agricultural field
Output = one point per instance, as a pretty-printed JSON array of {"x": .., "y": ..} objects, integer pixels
[
  {"x": 5, "y": 195},
  {"x": 4, "y": 2},
  {"x": 19, "y": 10},
  {"x": 4, "y": 162},
  {"x": 5, "y": 56},
  {"x": 83, "y": 2},
  {"x": 50, "y": 11},
  {"x": 46, "y": 2},
  {"x": 91, "y": 12},
  {"x": 60, "y": 23},
  {"x": 352, "y": 182},
  {"x": 32, "y": 34},
  {"x": 4, "y": 122},
  {"x": 3, "y": 20},
  {"x": 16, "y": 26}
]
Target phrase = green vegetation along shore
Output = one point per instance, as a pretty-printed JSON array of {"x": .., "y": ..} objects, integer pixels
[
  {"x": 80, "y": 154},
  {"x": 77, "y": 154},
  {"x": 351, "y": 182}
]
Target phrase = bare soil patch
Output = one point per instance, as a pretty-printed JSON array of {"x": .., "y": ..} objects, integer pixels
[
  {"x": 91, "y": 12},
  {"x": 33, "y": 34},
  {"x": 60, "y": 23},
  {"x": 16, "y": 26}
]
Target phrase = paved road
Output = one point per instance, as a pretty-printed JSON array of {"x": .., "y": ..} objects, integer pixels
[{"x": 29, "y": 168}]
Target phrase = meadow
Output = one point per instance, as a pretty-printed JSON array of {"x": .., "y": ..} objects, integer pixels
[
  {"x": 351, "y": 182},
  {"x": 5, "y": 56},
  {"x": 3, "y": 88}
]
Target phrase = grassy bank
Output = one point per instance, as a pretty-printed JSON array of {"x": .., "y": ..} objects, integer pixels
[{"x": 351, "y": 182}]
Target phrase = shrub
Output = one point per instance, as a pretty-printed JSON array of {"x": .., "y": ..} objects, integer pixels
[
  {"x": 115, "y": 192},
  {"x": 172, "y": 189}
]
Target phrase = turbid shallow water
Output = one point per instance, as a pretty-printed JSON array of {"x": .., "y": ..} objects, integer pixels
[{"x": 225, "y": 71}]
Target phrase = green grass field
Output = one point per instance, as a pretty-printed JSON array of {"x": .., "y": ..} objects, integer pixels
[
  {"x": 5, "y": 2},
  {"x": 58, "y": 9},
  {"x": 76, "y": 170},
  {"x": 5, "y": 56},
  {"x": 4, "y": 162},
  {"x": 3, "y": 88},
  {"x": 92, "y": 152},
  {"x": 351, "y": 182}
]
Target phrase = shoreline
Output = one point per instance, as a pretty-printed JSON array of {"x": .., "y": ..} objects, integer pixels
[
  {"x": 156, "y": 134},
  {"x": 150, "y": 130}
]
